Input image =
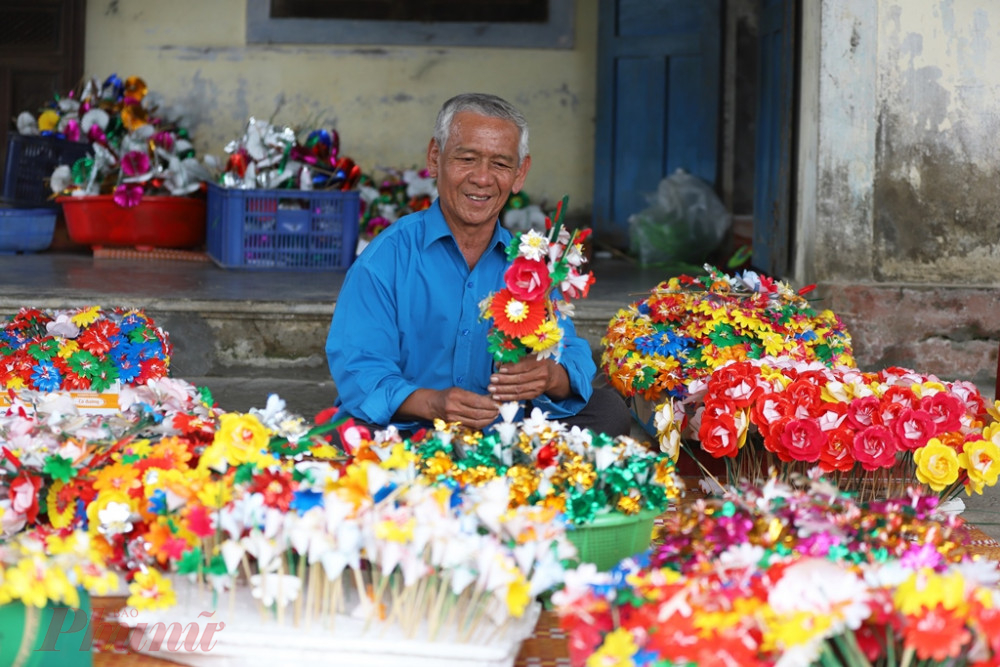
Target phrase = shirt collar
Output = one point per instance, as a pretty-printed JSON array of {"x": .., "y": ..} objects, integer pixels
[{"x": 436, "y": 227}]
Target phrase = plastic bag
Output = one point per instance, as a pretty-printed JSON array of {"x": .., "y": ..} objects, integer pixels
[{"x": 683, "y": 224}]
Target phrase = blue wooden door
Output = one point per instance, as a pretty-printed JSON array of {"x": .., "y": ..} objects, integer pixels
[
  {"x": 775, "y": 124},
  {"x": 659, "y": 69}
]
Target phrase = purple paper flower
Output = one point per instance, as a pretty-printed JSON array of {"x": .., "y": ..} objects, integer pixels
[
  {"x": 128, "y": 195},
  {"x": 135, "y": 163}
]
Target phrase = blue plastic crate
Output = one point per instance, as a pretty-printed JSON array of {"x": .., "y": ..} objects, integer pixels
[
  {"x": 30, "y": 163},
  {"x": 26, "y": 229},
  {"x": 282, "y": 229}
]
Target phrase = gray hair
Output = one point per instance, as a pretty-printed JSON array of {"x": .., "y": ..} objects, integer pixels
[{"x": 483, "y": 104}]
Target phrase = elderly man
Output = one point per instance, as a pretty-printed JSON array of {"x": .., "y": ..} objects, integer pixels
[{"x": 406, "y": 344}]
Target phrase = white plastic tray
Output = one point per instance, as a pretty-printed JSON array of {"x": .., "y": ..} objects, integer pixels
[{"x": 249, "y": 640}]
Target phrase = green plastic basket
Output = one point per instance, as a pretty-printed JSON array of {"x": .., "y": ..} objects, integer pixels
[{"x": 609, "y": 538}]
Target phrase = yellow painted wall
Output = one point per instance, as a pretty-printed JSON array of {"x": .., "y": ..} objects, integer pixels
[{"x": 381, "y": 100}]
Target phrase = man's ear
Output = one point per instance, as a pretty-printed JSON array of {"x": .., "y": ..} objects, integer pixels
[
  {"x": 522, "y": 173},
  {"x": 433, "y": 154}
]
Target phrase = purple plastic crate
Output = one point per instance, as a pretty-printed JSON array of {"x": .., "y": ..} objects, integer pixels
[{"x": 282, "y": 229}]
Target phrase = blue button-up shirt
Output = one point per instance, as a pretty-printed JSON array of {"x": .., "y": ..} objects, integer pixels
[{"x": 408, "y": 317}]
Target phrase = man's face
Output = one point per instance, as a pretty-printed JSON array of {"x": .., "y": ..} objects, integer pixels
[{"x": 477, "y": 169}]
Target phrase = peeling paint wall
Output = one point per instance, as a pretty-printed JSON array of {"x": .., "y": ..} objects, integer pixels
[
  {"x": 381, "y": 100},
  {"x": 908, "y": 166},
  {"x": 937, "y": 200}
]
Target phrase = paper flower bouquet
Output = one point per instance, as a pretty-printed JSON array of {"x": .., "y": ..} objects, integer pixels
[
  {"x": 876, "y": 433},
  {"x": 580, "y": 473},
  {"x": 788, "y": 576},
  {"x": 269, "y": 156},
  {"x": 84, "y": 349},
  {"x": 690, "y": 325},
  {"x": 396, "y": 193},
  {"x": 138, "y": 144},
  {"x": 544, "y": 275}
]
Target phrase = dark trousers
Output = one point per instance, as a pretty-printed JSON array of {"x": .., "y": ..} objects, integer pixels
[{"x": 605, "y": 412}]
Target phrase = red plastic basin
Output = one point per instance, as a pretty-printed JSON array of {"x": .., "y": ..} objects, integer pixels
[{"x": 157, "y": 222}]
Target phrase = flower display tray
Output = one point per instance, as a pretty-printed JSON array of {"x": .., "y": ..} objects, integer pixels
[
  {"x": 157, "y": 222},
  {"x": 86, "y": 402},
  {"x": 249, "y": 638}
]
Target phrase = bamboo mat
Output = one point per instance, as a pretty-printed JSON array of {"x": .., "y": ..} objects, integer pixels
[{"x": 545, "y": 648}]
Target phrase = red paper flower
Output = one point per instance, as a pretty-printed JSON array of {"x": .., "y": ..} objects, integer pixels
[
  {"x": 515, "y": 317},
  {"x": 803, "y": 440},
  {"x": 836, "y": 455},
  {"x": 913, "y": 428},
  {"x": 718, "y": 435},
  {"x": 875, "y": 447},
  {"x": 528, "y": 279},
  {"x": 24, "y": 495},
  {"x": 945, "y": 409}
]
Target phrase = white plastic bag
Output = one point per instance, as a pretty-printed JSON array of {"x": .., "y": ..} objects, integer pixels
[{"x": 684, "y": 222}]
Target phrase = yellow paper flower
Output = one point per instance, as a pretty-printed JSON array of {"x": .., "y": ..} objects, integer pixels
[
  {"x": 86, "y": 316},
  {"x": 544, "y": 337},
  {"x": 926, "y": 589},
  {"x": 149, "y": 590},
  {"x": 59, "y": 518},
  {"x": 48, "y": 120},
  {"x": 617, "y": 650},
  {"x": 242, "y": 436},
  {"x": 981, "y": 459},
  {"x": 215, "y": 494},
  {"x": 937, "y": 464}
]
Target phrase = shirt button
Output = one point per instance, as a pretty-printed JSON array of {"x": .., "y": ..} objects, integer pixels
[
  {"x": 465, "y": 332},
  {"x": 469, "y": 284},
  {"x": 460, "y": 379}
]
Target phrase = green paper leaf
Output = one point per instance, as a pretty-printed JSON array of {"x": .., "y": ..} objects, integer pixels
[{"x": 59, "y": 468}]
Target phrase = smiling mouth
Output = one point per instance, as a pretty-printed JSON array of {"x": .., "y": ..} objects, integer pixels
[{"x": 478, "y": 197}]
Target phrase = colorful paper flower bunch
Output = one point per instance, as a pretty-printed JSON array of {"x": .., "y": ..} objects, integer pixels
[
  {"x": 312, "y": 540},
  {"x": 138, "y": 145},
  {"x": 397, "y": 193},
  {"x": 43, "y": 567},
  {"x": 141, "y": 482},
  {"x": 789, "y": 576},
  {"x": 580, "y": 473},
  {"x": 268, "y": 156},
  {"x": 56, "y": 462},
  {"x": 81, "y": 349},
  {"x": 545, "y": 273},
  {"x": 690, "y": 325},
  {"x": 875, "y": 432}
]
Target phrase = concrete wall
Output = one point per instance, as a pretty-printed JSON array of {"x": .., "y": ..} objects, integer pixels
[
  {"x": 382, "y": 100},
  {"x": 900, "y": 217},
  {"x": 907, "y": 160}
]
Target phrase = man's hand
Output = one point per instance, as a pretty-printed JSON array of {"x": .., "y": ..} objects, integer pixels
[
  {"x": 452, "y": 405},
  {"x": 528, "y": 379}
]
